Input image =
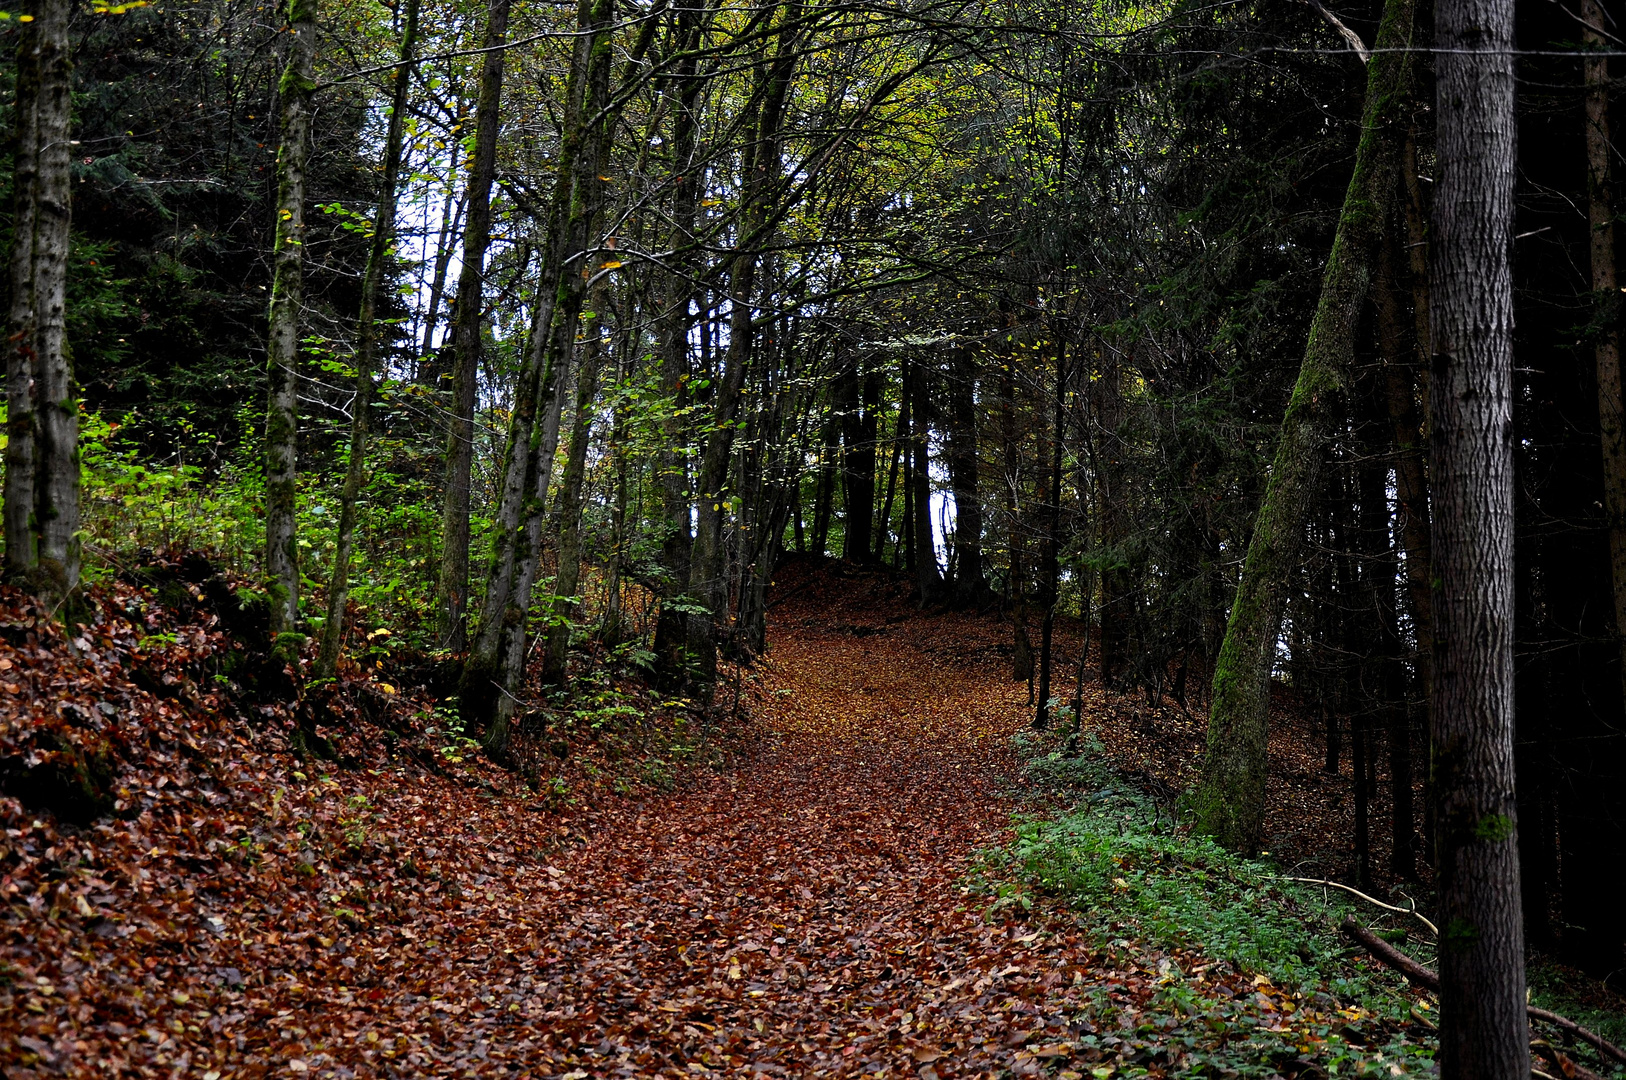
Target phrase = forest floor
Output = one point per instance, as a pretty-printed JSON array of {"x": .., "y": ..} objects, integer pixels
[{"x": 805, "y": 904}]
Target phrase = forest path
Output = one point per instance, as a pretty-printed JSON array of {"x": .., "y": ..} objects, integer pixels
[{"x": 802, "y": 915}]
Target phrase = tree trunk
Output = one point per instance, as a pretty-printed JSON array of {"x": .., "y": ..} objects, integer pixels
[
  {"x": 1229, "y": 801},
  {"x": 927, "y": 578},
  {"x": 1606, "y": 349},
  {"x": 452, "y": 591},
  {"x": 859, "y": 431},
  {"x": 970, "y": 584},
  {"x": 287, "y": 299},
  {"x": 824, "y": 494},
  {"x": 496, "y": 657},
  {"x": 671, "y": 626},
  {"x": 883, "y": 524},
  {"x": 568, "y": 578},
  {"x": 338, "y": 591},
  {"x": 1052, "y": 543},
  {"x": 22, "y": 320},
  {"x": 1483, "y": 1031},
  {"x": 759, "y": 173},
  {"x": 429, "y": 370},
  {"x": 42, "y": 501}
]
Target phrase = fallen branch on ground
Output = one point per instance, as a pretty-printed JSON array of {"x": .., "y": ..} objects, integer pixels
[{"x": 1425, "y": 978}]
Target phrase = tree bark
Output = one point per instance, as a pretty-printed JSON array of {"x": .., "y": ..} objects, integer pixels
[
  {"x": 1482, "y": 1000},
  {"x": 286, "y": 319},
  {"x": 452, "y": 590},
  {"x": 22, "y": 320},
  {"x": 42, "y": 500},
  {"x": 1229, "y": 801},
  {"x": 355, "y": 476}
]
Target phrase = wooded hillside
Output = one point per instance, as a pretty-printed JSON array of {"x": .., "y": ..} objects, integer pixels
[{"x": 428, "y": 381}]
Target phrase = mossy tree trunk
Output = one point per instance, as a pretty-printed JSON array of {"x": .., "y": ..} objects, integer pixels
[
  {"x": 1229, "y": 800},
  {"x": 286, "y": 321},
  {"x": 568, "y": 578},
  {"x": 42, "y": 454},
  {"x": 378, "y": 256},
  {"x": 452, "y": 590}
]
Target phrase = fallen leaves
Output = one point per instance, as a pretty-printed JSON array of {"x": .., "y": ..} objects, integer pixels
[{"x": 798, "y": 912}]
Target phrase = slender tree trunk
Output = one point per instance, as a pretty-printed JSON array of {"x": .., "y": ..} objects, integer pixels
[
  {"x": 1483, "y": 1031},
  {"x": 451, "y": 216},
  {"x": 825, "y": 493},
  {"x": 568, "y": 578},
  {"x": 287, "y": 298},
  {"x": 613, "y": 631},
  {"x": 496, "y": 660},
  {"x": 1052, "y": 542},
  {"x": 760, "y": 174},
  {"x": 1229, "y": 800},
  {"x": 1606, "y": 349},
  {"x": 904, "y": 553},
  {"x": 927, "y": 577},
  {"x": 671, "y": 626},
  {"x": 970, "y": 584},
  {"x": 859, "y": 430},
  {"x": 378, "y": 256},
  {"x": 883, "y": 524},
  {"x": 452, "y": 591}
]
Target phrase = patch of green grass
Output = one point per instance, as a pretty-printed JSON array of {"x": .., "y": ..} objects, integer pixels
[{"x": 1133, "y": 876}]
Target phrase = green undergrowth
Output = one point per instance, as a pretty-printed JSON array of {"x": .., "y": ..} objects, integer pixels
[{"x": 1251, "y": 975}]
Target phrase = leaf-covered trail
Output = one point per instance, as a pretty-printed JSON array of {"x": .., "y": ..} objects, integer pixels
[{"x": 802, "y": 915}]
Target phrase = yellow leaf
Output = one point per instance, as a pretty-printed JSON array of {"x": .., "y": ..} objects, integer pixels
[{"x": 611, "y": 266}]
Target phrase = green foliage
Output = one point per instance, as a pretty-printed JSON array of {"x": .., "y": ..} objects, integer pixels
[{"x": 1121, "y": 863}]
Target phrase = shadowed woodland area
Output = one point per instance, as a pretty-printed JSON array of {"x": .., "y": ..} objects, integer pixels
[{"x": 929, "y": 538}]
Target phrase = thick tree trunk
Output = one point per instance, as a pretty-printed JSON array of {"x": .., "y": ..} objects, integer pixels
[
  {"x": 1483, "y": 1031},
  {"x": 287, "y": 299},
  {"x": 1229, "y": 801},
  {"x": 970, "y": 584},
  {"x": 42, "y": 501},
  {"x": 378, "y": 256},
  {"x": 1606, "y": 349},
  {"x": 452, "y": 591},
  {"x": 22, "y": 320}
]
